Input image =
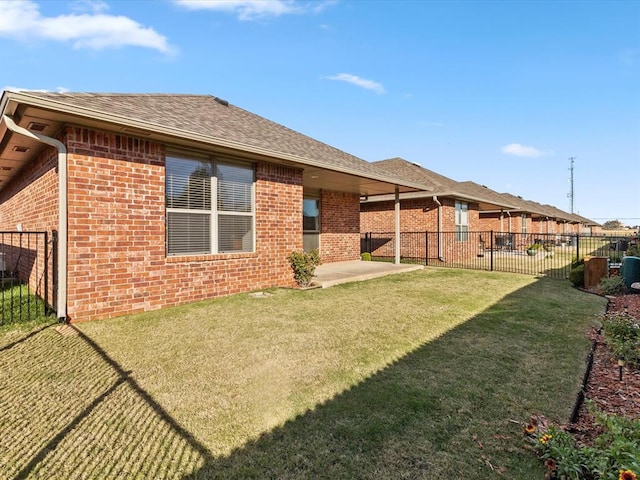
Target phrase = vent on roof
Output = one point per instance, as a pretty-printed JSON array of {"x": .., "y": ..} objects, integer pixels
[
  {"x": 6, "y": 169},
  {"x": 221, "y": 101},
  {"x": 37, "y": 127},
  {"x": 20, "y": 148}
]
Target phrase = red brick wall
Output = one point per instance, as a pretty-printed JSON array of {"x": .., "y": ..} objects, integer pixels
[
  {"x": 416, "y": 215},
  {"x": 340, "y": 226},
  {"x": 117, "y": 261},
  {"x": 491, "y": 221},
  {"x": 30, "y": 200}
]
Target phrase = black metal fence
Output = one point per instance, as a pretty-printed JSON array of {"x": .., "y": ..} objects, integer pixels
[
  {"x": 26, "y": 268},
  {"x": 548, "y": 255}
]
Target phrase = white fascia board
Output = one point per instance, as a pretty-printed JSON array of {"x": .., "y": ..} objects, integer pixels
[{"x": 52, "y": 104}]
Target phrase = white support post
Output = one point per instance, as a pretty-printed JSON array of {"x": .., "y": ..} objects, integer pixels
[{"x": 397, "y": 226}]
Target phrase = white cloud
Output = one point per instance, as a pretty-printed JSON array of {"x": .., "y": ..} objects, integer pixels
[
  {"x": 21, "y": 19},
  {"x": 256, "y": 9},
  {"x": 93, "y": 6},
  {"x": 42, "y": 90},
  {"x": 245, "y": 9},
  {"x": 523, "y": 150},
  {"x": 358, "y": 81}
]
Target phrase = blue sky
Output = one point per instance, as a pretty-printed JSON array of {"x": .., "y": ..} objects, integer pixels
[{"x": 501, "y": 93}]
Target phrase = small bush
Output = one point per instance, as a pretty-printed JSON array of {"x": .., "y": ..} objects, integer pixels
[
  {"x": 634, "y": 251},
  {"x": 576, "y": 276},
  {"x": 622, "y": 335},
  {"x": 613, "y": 285},
  {"x": 366, "y": 257},
  {"x": 304, "y": 265},
  {"x": 616, "y": 450}
]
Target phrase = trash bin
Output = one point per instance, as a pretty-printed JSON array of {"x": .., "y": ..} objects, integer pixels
[{"x": 630, "y": 270}]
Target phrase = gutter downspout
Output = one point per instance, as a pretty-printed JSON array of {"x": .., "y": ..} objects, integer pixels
[
  {"x": 61, "y": 300},
  {"x": 440, "y": 255}
]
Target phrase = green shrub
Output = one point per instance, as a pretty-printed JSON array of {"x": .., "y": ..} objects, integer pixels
[
  {"x": 366, "y": 257},
  {"x": 304, "y": 265},
  {"x": 634, "y": 251},
  {"x": 622, "y": 335},
  {"x": 613, "y": 285},
  {"x": 616, "y": 449},
  {"x": 576, "y": 276}
]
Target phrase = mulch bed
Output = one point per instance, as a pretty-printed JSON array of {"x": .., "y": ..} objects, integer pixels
[{"x": 604, "y": 386}]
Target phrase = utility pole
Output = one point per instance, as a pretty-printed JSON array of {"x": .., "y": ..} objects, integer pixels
[{"x": 570, "y": 194}]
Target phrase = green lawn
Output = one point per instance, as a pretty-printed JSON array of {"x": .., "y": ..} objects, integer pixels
[{"x": 418, "y": 375}]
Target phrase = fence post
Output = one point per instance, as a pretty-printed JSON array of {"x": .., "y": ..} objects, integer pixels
[
  {"x": 491, "y": 254},
  {"x": 577, "y": 246},
  {"x": 426, "y": 248}
]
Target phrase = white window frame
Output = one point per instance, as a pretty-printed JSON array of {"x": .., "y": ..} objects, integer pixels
[
  {"x": 462, "y": 224},
  {"x": 214, "y": 212}
]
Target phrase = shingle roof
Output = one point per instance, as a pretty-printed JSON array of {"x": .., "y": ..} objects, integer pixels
[
  {"x": 416, "y": 173},
  {"x": 210, "y": 117},
  {"x": 442, "y": 185},
  {"x": 485, "y": 192},
  {"x": 527, "y": 205}
]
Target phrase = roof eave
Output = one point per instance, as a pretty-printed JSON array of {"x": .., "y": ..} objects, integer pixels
[{"x": 77, "y": 111}]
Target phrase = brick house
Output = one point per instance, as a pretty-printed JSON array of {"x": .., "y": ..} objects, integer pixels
[
  {"x": 449, "y": 207},
  {"x": 159, "y": 200}
]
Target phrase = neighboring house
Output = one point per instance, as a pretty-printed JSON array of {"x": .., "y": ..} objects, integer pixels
[
  {"x": 449, "y": 207},
  {"x": 159, "y": 200},
  {"x": 526, "y": 218},
  {"x": 533, "y": 218}
]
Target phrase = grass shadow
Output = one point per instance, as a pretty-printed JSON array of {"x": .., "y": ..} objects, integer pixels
[
  {"x": 92, "y": 421},
  {"x": 450, "y": 408}
]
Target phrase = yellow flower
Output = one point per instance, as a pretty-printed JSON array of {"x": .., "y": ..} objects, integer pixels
[
  {"x": 529, "y": 429},
  {"x": 627, "y": 475},
  {"x": 545, "y": 438}
]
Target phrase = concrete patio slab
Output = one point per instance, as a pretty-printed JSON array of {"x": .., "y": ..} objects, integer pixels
[{"x": 330, "y": 274}]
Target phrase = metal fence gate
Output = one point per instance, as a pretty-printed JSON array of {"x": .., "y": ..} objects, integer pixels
[
  {"x": 26, "y": 269},
  {"x": 546, "y": 254}
]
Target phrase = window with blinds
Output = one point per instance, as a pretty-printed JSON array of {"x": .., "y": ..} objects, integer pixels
[{"x": 195, "y": 224}]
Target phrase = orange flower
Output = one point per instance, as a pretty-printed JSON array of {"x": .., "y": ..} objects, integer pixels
[
  {"x": 529, "y": 429},
  {"x": 546, "y": 437},
  {"x": 627, "y": 475}
]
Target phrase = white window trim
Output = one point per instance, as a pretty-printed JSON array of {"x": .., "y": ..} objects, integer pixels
[
  {"x": 214, "y": 212},
  {"x": 462, "y": 229}
]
